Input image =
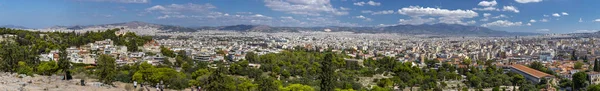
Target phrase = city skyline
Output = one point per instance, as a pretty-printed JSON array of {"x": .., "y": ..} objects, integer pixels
[{"x": 537, "y": 16}]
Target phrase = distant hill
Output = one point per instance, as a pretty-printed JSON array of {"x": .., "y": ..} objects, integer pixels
[
  {"x": 434, "y": 29},
  {"x": 424, "y": 29},
  {"x": 13, "y": 26},
  {"x": 133, "y": 24}
]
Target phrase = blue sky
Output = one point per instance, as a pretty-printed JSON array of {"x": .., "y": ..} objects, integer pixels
[{"x": 541, "y": 16}]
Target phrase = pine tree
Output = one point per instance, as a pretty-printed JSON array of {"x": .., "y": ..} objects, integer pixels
[{"x": 64, "y": 64}]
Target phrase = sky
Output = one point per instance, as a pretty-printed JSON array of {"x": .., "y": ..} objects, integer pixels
[{"x": 538, "y": 16}]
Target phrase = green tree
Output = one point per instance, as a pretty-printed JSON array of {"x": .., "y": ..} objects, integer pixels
[
  {"x": 246, "y": 85},
  {"x": 467, "y": 62},
  {"x": 574, "y": 55},
  {"x": 219, "y": 80},
  {"x": 132, "y": 46},
  {"x": 9, "y": 55},
  {"x": 517, "y": 80},
  {"x": 580, "y": 80},
  {"x": 267, "y": 83},
  {"x": 297, "y": 87},
  {"x": 251, "y": 57},
  {"x": 64, "y": 64},
  {"x": 596, "y": 65},
  {"x": 327, "y": 80},
  {"x": 23, "y": 68},
  {"x": 593, "y": 87},
  {"x": 564, "y": 83},
  {"x": 47, "y": 68},
  {"x": 166, "y": 51},
  {"x": 578, "y": 65},
  {"x": 106, "y": 69}
]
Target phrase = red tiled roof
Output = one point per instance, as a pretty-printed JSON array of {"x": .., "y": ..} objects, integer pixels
[{"x": 530, "y": 71}]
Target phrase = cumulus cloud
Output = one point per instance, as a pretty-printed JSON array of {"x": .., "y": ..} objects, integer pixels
[
  {"x": 372, "y": 3},
  {"x": 304, "y": 7},
  {"x": 565, "y": 13},
  {"x": 532, "y": 21},
  {"x": 500, "y": 16},
  {"x": 502, "y": 23},
  {"x": 204, "y": 14},
  {"x": 486, "y": 14},
  {"x": 363, "y": 17},
  {"x": 556, "y": 15},
  {"x": 443, "y": 15},
  {"x": 597, "y": 20},
  {"x": 528, "y": 24},
  {"x": 487, "y": 3},
  {"x": 528, "y": 1},
  {"x": 487, "y": 9},
  {"x": 580, "y": 20},
  {"x": 510, "y": 8},
  {"x": 120, "y": 1},
  {"x": 383, "y": 12}
]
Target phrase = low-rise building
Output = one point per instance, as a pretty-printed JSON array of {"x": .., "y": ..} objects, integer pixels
[{"x": 530, "y": 74}]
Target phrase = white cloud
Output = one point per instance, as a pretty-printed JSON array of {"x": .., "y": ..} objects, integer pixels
[
  {"x": 416, "y": 21},
  {"x": 510, "y": 8},
  {"x": 580, "y": 20},
  {"x": 532, "y": 21},
  {"x": 386, "y": 25},
  {"x": 500, "y": 16},
  {"x": 443, "y": 15},
  {"x": 471, "y": 22},
  {"x": 564, "y": 13},
  {"x": 487, "y": 9},
  {"x": 181, "y": 8},
  {"x": 597, "y": 20},
  {"x": 544, "y": 20},
  {"x": 372, "y": 3},
  {"x": 486, "y": 17},
  {"x": 528, "y": 1},
  {"x": 585, "y": 31},
  {"x": 120, "y": 1},
  {"x": 528, "y": 24},
  {"x": 363, "y": 17},
  {"x": 383, "y": 12},
  {"x": 487, "y": 3},
  {"x": 502, "y": 23},
  {"x": 304, "y": 7},
  {"x": 543, "y": 30},
  {"x": 486, "y": 14},
  {"x": 344, "y": 8},
  {"x": 546, "y": 15},
  {"x": 556, "y": 15},
  {"x": 366, "y": 11}
]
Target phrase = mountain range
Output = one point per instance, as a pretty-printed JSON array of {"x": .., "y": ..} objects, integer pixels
[{"x": 424, "y": 29}]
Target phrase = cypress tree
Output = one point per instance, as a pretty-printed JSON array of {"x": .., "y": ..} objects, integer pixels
[{"x": 327, "y": 79}]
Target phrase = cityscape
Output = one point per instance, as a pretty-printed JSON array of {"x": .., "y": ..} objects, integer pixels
[{"x": 301, "y": 45}]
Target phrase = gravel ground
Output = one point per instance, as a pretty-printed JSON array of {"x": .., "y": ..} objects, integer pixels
[{"x": 15, "y": 82}]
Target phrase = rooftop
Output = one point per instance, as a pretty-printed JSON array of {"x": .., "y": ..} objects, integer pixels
[{"x": 530, "y": 71}]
